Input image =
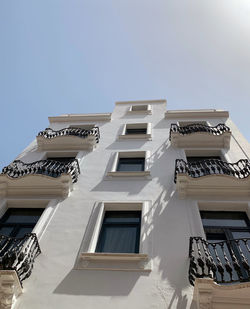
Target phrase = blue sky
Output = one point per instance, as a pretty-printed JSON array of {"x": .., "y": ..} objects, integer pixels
[{"x": 75, "y": 56}]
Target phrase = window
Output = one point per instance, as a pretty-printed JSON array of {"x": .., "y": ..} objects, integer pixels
[
  {"x": 61, "y": 159},
  {"x": 141, "y": 109},
  {"x": 120, "y": 232},
  {"x": 222, "y": 226},
  {"x": 136, "y": 130},
  {"x": 192, "y": 159},
  {"x": 131, "y": 164},
  {"x": 16, "y": 222}
]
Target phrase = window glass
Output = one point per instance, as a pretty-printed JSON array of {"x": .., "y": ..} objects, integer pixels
[
  {"x": 221, "y": 218},
  {"x": 136, "y": 131},
  {"x": 120, "y": 232},
  {"x": 131, "y": 164},
  {"x": 22, "y": 215}
]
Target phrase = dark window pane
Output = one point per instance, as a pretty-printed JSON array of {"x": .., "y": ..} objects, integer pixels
[
  {"x": 122, "y": 217},
  {"x": 22, "y": 231},
  {"x": 22, "y": 215},
  {"x": 131, "y": 164},
  {"x": 118, "y": 239},
  {"x": 120, "y": 232},
  {"x": 6, "y": 230},
  {"x": 197, "y": 159},
  {"x": 136, "y": 131},
  {"x": 62, "y": 159},
  {"x": 221, "y": 218}
]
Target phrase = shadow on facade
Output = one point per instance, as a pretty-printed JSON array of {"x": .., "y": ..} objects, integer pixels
[{"x": 102, "y": 283}]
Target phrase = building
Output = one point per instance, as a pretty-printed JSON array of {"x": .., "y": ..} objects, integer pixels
[{"x": 141, "y": 208}]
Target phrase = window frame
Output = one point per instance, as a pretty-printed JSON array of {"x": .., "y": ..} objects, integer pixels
[
  {"x": 130, "y": 154},
  {"x": 88, "y": 258},
  {"x": 146, "y": 111},
  {"x": 147, "y": 135}
]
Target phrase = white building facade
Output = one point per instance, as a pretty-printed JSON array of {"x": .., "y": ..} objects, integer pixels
[{"x": 141, "y": 208}]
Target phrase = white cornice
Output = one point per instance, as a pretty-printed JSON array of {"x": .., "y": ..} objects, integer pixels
[
  {"x": 197, "y": 113},
  {"x": 81, "y": 117},
  {"x": 142, "y": 102}
]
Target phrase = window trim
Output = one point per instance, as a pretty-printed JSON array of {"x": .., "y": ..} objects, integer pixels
[
  {"x": 49, "y": 206},
  {"x": 147, "y": 135},
  {"x": 130, "y": 154},
  {"x": 133, "y": 261},
  {"x": 147, "y": 111}
]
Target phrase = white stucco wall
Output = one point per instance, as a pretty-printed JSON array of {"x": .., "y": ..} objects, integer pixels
[{"x": 64, "y": 231}]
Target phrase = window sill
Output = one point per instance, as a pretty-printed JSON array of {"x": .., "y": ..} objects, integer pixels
[
  {"x": 129, "y": 174},
  {"x": 114, "y": 261},
  {"x": 136, "y": 136}
]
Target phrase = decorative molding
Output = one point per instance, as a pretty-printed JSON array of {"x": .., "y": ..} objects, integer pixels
[
  {"x": 200, "y": 113},
  {"x": 129, "y": 174},
  {"x": 141, "y": 102},
  {"x": 209, "y": 295},
  {"x": 10, "y": 288},
  {"x": 200, "y": 135},
  {"x": 114, "y": 261},
  {"x": 68, "y": 138},
  {"x": 81, "y": 117}
]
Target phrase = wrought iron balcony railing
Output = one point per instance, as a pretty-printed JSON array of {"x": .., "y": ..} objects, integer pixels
[
  {"x": 19, "y": 254},
  {"x": 198, "y": 127},
  {"x": 240, "y": 169},
  {"x": 225, "y": 262},
  {"x": 45, "y": 167},
  {"x": 79, "y": 132}
]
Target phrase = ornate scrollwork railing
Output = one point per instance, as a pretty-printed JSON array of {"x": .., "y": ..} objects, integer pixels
[
  {"x": 240, "y": 169},
  {"x": 45, "y": 167},
  {"x": 198, "y": 127},
  {"x": 82, "y": 133},
  {"x": 225, "y": 262},
  {"x": 19, "y": 254}
]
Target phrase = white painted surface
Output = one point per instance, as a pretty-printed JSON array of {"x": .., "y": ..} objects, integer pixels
[{"x": 170, "y": 222}]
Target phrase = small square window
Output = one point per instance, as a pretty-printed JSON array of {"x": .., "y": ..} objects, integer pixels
[
  {"x": 120, "y": 232},
  {"x": 140, "y": 109}
]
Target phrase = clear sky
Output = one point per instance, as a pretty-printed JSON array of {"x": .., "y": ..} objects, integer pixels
[{"x": 76, "y": 56}]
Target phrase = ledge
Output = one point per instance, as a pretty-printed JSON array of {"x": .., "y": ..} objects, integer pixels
[
  {"x": 200, "y": 140},
  {"x": 69, "y": 142},
  {"x": 35, "y": 185},
  {"x": 136, "y": 136},
  {"x": 142, "y": 112},
  {"x": 128, "y": 174},
  {"x": 142, "y": 102},
  {"x": 81, "y": 117},
  {"x": 208, "y": 294},
  {"x": 10, "y": 288},
  {"x": 114, "y": 262},
  {"x": 217, "y": 186},
  {"x": 124, "y": 257},
  {"x": 199, "y": 113}
]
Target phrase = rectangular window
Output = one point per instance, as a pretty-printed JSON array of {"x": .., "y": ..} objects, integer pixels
[
  {"x": 131, "y": 164},
  {"x": 192, "y": 159},
  {"x": 139, "y": 108},
  {"x": 16, "y": 222},
  {"x": 136, "y": 131},
  {"x": 120, "y": 232}
]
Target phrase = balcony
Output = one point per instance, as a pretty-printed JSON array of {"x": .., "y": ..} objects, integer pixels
[
  {"x": 213, "y": 177},
  {"x": 68, "y": 138},
  {"x": 200, "y": 135},
  {"x": 220, "y": 273},
  {"x": 17, "y": 257},
  {"x": 41, "y": 178}
]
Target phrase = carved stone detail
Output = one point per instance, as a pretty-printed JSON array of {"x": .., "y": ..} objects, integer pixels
[{"x": 10, "y": 288}]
